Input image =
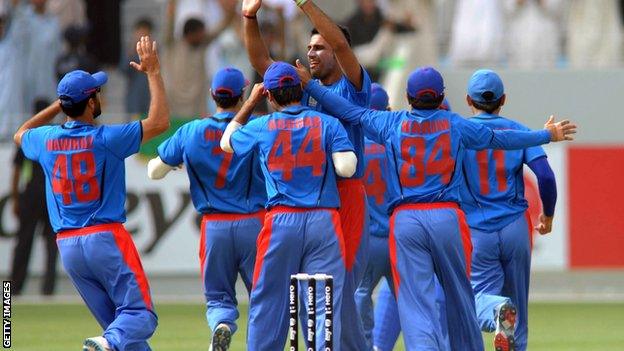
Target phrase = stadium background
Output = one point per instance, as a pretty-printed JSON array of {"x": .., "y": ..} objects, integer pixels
[{"x": 581, "y": 260}]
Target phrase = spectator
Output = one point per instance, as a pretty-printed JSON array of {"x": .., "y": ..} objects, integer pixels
[
  {"x": 69, "y": 13},
  {"x": 184, "y": 70},
  {"x": 477, "y": 37},
  {"x": 29, "y": 206},
  {"x": 75, "y": 55},
  {"x": 42, "y": 47},
  {"x": 137, "y": 90},
  {"x": 534, "y": 37},
  {"x": 594, "y": 34},
  {"x": 13, "y": 36}
]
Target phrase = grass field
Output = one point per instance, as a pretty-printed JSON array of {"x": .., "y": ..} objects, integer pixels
[{"x": 62, "y": 327}]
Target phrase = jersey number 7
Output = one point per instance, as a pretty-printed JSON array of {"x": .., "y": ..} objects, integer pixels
[
  {"x": 286, "y": 161},
  {"x": 83, "y": 183}
]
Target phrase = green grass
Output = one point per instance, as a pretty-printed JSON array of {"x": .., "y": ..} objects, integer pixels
[{"x": 62, "y": 327}]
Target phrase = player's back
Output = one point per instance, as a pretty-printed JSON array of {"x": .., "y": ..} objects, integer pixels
[
  {"x": 84, "y": 165},
  {"x": 220, "y": 182},
  {"x": 296, "y": 149},
  {"x": 375, "y": 179},
  {"x": 494, "y": 195}
]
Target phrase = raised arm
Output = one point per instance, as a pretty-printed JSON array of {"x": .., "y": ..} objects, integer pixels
[
  {"x": 257, "y": 50},
  {"x": 157, "y": 121},
  {"x": 336, "y": 39},
  {"x": 477, "y": 136},
  {"x": 241, "y": 118},
  {"x": 40, "y": 119}
]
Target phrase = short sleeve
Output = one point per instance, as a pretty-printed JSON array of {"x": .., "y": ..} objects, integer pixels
[
  {"x": 171, "y": 151},
  {"x": 244, "y": 139},
  {"x": 360, "y": 97},
  {"x": 338, "y": 139},
  {"x": 123, "y": 140},
  {"x": 32, "y": 141}
]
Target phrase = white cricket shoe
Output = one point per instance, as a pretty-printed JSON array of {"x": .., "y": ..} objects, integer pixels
[
  {"x": 96, "y": 343},
  {"x": 221, "y": 338},
  {"x": 505, "y": 317}
]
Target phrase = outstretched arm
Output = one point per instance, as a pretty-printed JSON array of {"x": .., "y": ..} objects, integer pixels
[
  {"x": 333, "y": 35},
  {"x": 257, "y": 51},
  {"x": 157, "y": 121},
  {"x": 548, "y": 193},
  {"x": 40, "y": 119}
]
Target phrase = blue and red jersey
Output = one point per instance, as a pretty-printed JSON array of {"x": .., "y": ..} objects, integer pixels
[
  {"x": 375, "y": 179},
  {"x": 494, "y": 196},
  {"x": 295, "y": 147},
  {"x": 425, "y": 148},
  {"x": 220, "y": 182},
  {"x": 361, "y": 97},
  {"x": 85, "y": 171}
]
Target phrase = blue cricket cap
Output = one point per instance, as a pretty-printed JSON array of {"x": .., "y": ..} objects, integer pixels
[
  {"x": 77, "y": 86},
  {"x": 425, "y": 83},
  {"x": 228, "y": 82},
  {"x": 379, "y": 98},
  {"x": 485, "y": 86},
  {"x": 280, "y": 75}
]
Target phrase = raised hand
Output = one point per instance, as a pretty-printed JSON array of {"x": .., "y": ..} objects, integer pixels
[
  {"x": 148, "y": 56},
  {"x": 257, "y": 93},
  {"x": 560, "y": 131},
  {"x": 251, "y": 7},
  {"x": 545, "y": 224},
  {"x": 303, "y": 72}
]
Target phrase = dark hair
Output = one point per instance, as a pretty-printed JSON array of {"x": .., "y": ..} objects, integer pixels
[
  {"x": 343, "y": 29},
  {"x": 193, "y": 25},
  {"x": 226, "y": 101},
  {"x": 144, "y": 22},
  {"x": 287, "y": 95},
  {"x": 40, "y": 104},
  {"x": 76, "y": 109},
  {"x": 426, "y": 104},
  {"x": 488, "y": 106}
]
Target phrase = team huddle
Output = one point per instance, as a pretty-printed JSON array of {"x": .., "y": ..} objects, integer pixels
[{"x": 331, "y": 183}]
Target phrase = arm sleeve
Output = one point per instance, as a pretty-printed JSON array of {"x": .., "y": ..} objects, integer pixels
[
  {"x": 345, "y": 163},
  {"x": 477, "y": 136},
  {"x": 171, "y": 151},
  {"x": 376, "y": 123},
  {"x": 361, "y": 97},
  {"x": 244, "y": 139},
  {"x": 123, "y": 140},
  {"x": 32, "y": 140},
  {"x": 546, "y": 183}
]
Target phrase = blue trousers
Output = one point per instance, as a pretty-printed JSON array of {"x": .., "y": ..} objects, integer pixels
[
  {"x": 227, "y": 248},
  {"x": 428, "y": 240},
  {"x": 378, "y": 267},
  {"x": 501, "y": 270},
  {"x": 387, "y": 324},
  {"x": 293, "y": 240},
  {"x": 354, "y": 220},
  {"x": 105, "y": 268}
]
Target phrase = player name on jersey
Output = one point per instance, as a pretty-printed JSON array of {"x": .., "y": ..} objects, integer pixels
[
  {"x": 69, "y": 144},
  {"x": 275, "y": 124},
  {"x": 425, "y": 127}
]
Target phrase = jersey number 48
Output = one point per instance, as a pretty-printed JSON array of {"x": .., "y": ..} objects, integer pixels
[{"x": 82, "y": 182}]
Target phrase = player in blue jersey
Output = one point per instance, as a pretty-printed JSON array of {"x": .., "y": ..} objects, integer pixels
[
  {"x": 500, "y": 226},
  {"x": 386, "y": 316},
  {"x": 428, "y": 232},
  {"x": 301, "y": 153},
  {"x": 85, "y": 191},
  {"x": 333, "y": 64},
  {"x": 229, "y": 191}
]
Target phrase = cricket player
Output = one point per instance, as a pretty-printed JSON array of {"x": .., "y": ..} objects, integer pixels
[
  {"x": 229, "y": 191},
  {"x": 387, "y": 326},
  {"x": 500, "y": 226},
  {"x": 85, "y": 190},
  {"x": 428, "y": 232},
  {"x": 333, "y": 64},
  {"x": 301, "y": 153}
]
